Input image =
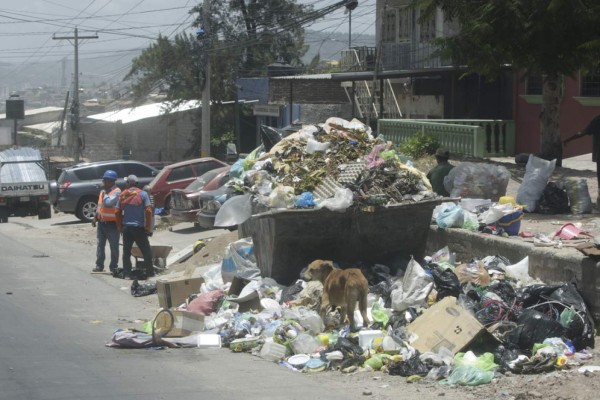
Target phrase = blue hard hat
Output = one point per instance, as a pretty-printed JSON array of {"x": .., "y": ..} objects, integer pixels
[{"x": 110, "y": 174}]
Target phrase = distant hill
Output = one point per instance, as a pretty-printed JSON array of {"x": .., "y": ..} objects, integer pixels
[
  {"x": 330, "y": 45},
  {"x": 111, "y": 69}
]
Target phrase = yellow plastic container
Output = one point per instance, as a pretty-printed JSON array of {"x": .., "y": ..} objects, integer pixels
[{"x": 507, "y": 200}]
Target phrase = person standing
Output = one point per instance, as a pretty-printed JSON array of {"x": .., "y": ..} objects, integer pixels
[
  {"x": 106, "y": 220},
  {"x": 437, "y": 174},
  {"x": 593, "y": 128},
  {"x": 134, "y": 221}
]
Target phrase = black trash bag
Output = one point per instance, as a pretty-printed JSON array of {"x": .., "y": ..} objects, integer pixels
[
  {"x": 534, "y": 327},
  {"x": 504, "y": 290},
  {"x": 581, "y": 330},
  {"x": 554, "y": 200},
  {"x": 291, "y": 292},
  {"x": 410, "y": 367},
  {"x": 496, "y": 263},
  {"x": 503, "y": 355},
  {"x": 145, "y": 289},
  {"x": 269, "y": 137},
  {"x": 353, "y": 353},
  {"x": 446, "y": 283}
]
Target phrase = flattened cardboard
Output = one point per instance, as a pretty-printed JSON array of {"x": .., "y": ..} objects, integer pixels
[
  {"x": 185, "y": 323},
  {"x": 174, "y": 292},
  {"x": 246, "y": 303},
  {"x": 444, "y": 324}
]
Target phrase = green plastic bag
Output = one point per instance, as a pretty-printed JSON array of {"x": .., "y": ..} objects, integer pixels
[
  {"x": 567, "y": 316},
  {"x": 484, "y": 362},
  {"x": 468, "y": 375},
  {"x": 379, "y": 314},
  {"x": 375, "y": 362}
]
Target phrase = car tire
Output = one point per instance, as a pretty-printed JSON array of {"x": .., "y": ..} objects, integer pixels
[
  {"x": 86, "y": 209},
  {"x": 3, "y": 215},
  {"x": 44, "y": 211}
]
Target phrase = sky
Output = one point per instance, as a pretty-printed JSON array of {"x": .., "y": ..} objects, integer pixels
[{"x": 124, "y": 27}]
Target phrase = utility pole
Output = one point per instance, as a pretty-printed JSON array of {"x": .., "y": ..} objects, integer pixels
[
  {"x": 205, "y": 138},
  {"x": 75, "y": 140}
]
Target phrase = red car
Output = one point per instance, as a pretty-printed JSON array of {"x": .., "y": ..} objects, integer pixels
[
  {"x": 179, "y": 176},
  {"x": 184, "y": 203}
]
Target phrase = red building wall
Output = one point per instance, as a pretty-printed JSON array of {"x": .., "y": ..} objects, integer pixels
[{"x": 573, "y": 117}]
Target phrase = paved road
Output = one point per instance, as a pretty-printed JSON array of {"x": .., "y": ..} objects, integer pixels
[{"x": 55, "y": 318}]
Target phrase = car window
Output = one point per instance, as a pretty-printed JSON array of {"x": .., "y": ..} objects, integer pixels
[
  {"x": 200, "y": 182},
  {"x": 88, "y": 173},
  {"x": 179, "y": 173},
  {"x": 139, "y": 170},
  {"x": 206, "y": 166}
]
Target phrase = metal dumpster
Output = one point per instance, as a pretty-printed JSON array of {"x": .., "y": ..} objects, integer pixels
[{"x": 285, "y": 241}]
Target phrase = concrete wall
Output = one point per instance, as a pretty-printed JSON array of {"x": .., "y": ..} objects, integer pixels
[
  {"x": 307, "y": 91},
  {"x": 318, "y": 113},
  {"x": 161, "y": 138}
]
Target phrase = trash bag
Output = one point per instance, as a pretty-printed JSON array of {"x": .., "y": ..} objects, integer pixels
[
  {"x": 468, "y": 376},
  {"x": 342, "y": 199},
  {"x": 142, "y": 289},
  {"x": 533, "y": 327},
  {"x": 410, "y": 367},
  {"x": 579, "y": 195},
  {"x": 554, "y": 200},
  {"x": 537, "y": 173},
  {"x": 503, "y": 356},
  {"x": 291, "y": 292},
  {"x": 446, "y": 283},
  {"x": 477, "y": 180},
  {"x": 414, "y": 289},
  {"x": 484, "y": 361},
  {"x": 239, "y": 260},
  {"x": 450, "y": 215},
  {"x": 559, "y": 297},
  {"x": 269, "y": 137},
  {"x": 504, "y": 290},
  {"x": 305, "y": 200},
  {"x": 353, "y": 353}
]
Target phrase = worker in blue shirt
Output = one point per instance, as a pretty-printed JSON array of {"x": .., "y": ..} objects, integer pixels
[{"x": 134, "y": 221}]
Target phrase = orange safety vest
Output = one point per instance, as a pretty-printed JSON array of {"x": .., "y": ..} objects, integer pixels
[{"x": 107, "y": 214}]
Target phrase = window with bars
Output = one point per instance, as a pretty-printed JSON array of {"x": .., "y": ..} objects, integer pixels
[
  {"x": 428, "y": 30},
  {"x": 390, "y": 25},
  {"x": 590, "y": 83},
  {"x": 534, "y": 85},
  {"x": 404, "y": 24}
]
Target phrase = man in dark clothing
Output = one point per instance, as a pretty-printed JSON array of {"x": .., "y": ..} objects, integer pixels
[
  {"x": 440, "y": 171},
  {"x": 593, "y": 129}
]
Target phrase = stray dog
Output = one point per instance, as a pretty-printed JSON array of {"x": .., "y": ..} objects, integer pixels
[{"x": 341, "y": 287}]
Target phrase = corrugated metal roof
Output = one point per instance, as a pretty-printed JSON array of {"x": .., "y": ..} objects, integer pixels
[
  {"x": 146, "y": 111},
  {"x": 37, "y": 111},
  {"x": 305, "y": 77},
  {"x": 21, "y": 172}
]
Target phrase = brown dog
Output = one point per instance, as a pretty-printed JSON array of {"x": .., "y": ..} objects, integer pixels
[{"x": 341, "y": 287}]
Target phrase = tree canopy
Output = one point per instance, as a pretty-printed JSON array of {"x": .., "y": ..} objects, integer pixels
[{"x": 551, "y": 38}]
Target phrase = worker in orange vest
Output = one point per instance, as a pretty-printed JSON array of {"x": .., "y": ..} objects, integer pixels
[{"x": 106, "y": 220}]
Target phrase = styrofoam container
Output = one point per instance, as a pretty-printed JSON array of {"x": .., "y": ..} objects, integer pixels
[
  {"x": 272, "y": 351},
  {"x": 209, "y": 340},
  {"x": 365, "y": 337}
]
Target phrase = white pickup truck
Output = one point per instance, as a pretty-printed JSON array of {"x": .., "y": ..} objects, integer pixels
[{"x": 24, "y": 186}]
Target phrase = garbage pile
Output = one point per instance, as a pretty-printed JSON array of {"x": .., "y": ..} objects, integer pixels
[
  {"x": 336, "y": 164},
  {"x": 456, "y": 323}
]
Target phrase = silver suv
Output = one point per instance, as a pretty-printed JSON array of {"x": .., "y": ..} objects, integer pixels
[{"x": 80, "y": 184}]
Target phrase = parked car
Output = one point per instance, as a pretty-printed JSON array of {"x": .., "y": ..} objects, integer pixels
[
  {"x": 178, "y": 176},
  {"x": 79, "y": 185},
  {"x": 184, "y": 202},
  {"x": 210, "y": 203}
]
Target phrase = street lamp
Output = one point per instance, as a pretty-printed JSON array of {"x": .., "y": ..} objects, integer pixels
[{"x": 350, "y": 5}]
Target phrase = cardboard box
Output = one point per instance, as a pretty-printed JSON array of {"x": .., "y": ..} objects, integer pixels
[
  {"x": 174, "y": 292},
  {"x": 444, "y": 324},
  {"x": 185, "y": 323}
]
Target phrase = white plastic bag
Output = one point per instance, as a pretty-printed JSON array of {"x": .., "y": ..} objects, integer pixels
[
  {"x": 313, "y": 145},
  {"x": 537, "y": 173},
  {"x": 450, "y": 215},
  {"x": 520, "y": 272},
  {"x": 234, "y": 211},
  {"x": 282, "y": 197},
  {"x": 414, "y": 289},
  {"x": 239, "y": 261},
  {"x": 342, "y": 199}
]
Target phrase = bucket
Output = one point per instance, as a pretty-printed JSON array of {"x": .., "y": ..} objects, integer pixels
[{"x": 511, "y": 223}]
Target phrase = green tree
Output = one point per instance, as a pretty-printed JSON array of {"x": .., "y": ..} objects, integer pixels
[
  {"x": 244, "y": 36},
  {"x": 552, "y": 38}
]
